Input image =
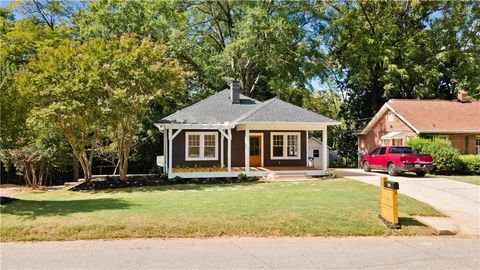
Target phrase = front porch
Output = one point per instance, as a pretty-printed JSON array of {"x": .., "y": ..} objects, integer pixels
[{"x": 270, "y": 172}]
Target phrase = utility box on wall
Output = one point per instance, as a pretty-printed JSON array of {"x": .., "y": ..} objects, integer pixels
[{"x": 389, "y": 202}]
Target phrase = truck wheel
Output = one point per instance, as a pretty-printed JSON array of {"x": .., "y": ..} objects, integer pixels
[
  {"x": 420, "y": 174},
  {"x": 366, "y": 167},
  {"x": 391, "y": 169}
]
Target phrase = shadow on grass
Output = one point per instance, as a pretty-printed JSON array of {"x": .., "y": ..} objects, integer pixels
[
  {"x": 173, "y": 187},
  {"x": 32, "y": 209},
  {"x": 408, "y": 221}
]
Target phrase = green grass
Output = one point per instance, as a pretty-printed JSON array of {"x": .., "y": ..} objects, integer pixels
[
  {"x": 337, "y": 207},
  {"x": 471, "y": 179}
]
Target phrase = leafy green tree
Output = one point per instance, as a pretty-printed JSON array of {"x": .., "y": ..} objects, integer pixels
[
  {"x": 380, "y": 50},
  {"x": 135, "y": 74},
  {"x": 70, "y": 98}
]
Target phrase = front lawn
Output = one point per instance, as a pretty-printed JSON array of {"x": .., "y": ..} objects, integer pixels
[
  {"x": 471, "y": 179},
  {"x": 317, "y": 208}
]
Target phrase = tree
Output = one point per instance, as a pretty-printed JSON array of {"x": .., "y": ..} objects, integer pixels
[
  {"x": 65, "y": 82},
  {"x": 136, "y": 74},
  {"x": 403, "y": 49}
]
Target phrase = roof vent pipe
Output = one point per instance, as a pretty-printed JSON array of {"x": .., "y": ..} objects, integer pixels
[{"x": 235, "y": 92}]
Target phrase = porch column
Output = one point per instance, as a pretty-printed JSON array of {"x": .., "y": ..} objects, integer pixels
[
  {"x": 324, "y": 149},
  {"x": 170, "y": 139},
  {"x": 247, "y": 150},
  {"x": 229, "y": 155},
  {"x": 165, "y": 168},
  {"x": 222, "y": 158},
  {"x": 306, "y": 146}
]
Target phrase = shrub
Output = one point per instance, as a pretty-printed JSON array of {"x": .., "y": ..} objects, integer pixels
[
  {"x": 446, "y": 159},
  {"x": 242, "y": 177},
  {"x": 470, "y": 164}
]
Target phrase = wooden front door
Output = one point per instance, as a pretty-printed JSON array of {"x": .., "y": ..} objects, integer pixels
[{"x": 255, "y": 151}]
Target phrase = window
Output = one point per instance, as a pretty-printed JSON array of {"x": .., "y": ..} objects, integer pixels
[
  {"x": 316, "y": 153},
  {"x": 277, "y": 145},
  {"x": 375, "y": 152},
  {"x": 292, "y": 146},
  {"x": 397, "y": 142},
  {"x": 385, "y": 141},
  {"x": 401, "y": 150},
  {"x": 285, "y": 145},
  {"x": 382, "y": 151},
  {"x": 478, "y": 145},
  {"x": 201, "y": 145}
]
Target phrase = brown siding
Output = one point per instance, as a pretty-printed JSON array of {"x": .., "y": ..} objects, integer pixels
[
  {"x": 238, "y": 151},
  {"x": 178, "y": 155},
  {"x": 267, "y": 161}
]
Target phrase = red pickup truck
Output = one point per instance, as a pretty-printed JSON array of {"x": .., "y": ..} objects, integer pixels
[{"x": 397, "y": 159}]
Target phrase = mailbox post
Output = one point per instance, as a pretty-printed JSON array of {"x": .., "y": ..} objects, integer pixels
[{"x": 389, "y": 202}]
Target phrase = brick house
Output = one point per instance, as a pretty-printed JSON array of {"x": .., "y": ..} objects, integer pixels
[{"x": 401, "y": 119}]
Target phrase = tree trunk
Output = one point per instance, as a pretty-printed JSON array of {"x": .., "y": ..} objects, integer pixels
[{"x": 76, "y": 169}]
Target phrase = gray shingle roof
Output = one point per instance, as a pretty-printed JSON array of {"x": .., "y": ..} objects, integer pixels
[
  {"x": 219, "y": 109},
  {"x": 276, "y": 110},
  {"x": 215, "y": 109}
]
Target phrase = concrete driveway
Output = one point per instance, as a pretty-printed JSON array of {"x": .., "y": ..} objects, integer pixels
[
  {"x": 247, "y": 253},
  {"x": 460, "y": 201}
]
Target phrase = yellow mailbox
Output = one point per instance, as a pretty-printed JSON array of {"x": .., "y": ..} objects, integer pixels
[{"x": 389, "y": 202}]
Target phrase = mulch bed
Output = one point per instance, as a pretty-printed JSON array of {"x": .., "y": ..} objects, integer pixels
[
  {"x": 144, "y": 181},
  {"x": 4, "y": 200}
]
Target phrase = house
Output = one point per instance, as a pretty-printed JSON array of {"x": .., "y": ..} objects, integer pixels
[
  {"x": 315, "y": 152},
  {"x": 401, "y": 119},
  {"x": 227, "y": 134}
]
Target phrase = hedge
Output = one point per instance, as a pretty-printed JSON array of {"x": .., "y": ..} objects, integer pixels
[
  {"x": 470, "y": 164},
  {"x": 446, "y": 158}
]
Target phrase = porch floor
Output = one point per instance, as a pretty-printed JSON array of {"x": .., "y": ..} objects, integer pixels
[{"x": 242, "y": 169}]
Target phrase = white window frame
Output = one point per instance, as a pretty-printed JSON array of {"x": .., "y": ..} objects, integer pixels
[
  {"x": 285, "y": 145},
  {"x": 477, "y": 145},
  {"x": 202, "y": 145}
]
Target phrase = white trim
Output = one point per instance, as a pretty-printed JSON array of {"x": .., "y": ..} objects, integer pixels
[
  {"x": 402, "y": 118},
  {"x": 306, "y": 147},
  {"x": 325, "y": 149},
  {"x": 262, "y": 146},
  {"x": 222, "y": 155},
  {"x": 170, "y": 142},
  {"x": 165, "y": 152},
  {"x": 247, "y": 150},
  {"x": 194, "y": 126},
  {"x": 477, "y": 147},
  {"x": 285, "y": 145},
  {"x": 229, "y": 154},
  {"x": 201, "y": 146},
  {"x": 249, "y": 173},
  {"x": 391, "y": 135}
]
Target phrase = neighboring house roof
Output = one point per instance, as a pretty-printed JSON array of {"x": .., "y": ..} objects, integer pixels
[
  {"x": 433, "y": 116},
  {"x": 219, "y": 109},
  {"x": 313, "y": 140}
]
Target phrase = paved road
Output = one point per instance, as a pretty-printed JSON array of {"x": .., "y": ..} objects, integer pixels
[
  {"x": 247, "y": 253},
  {"x": 459, "y": 200}
]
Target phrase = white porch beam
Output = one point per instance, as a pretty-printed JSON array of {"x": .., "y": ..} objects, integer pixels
[
  {"x": 229, "y": 154},
  {"x": 247, "y": 150},
  {"x": 176, "y": 133},
  {"x": 324, "y": 149}
]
